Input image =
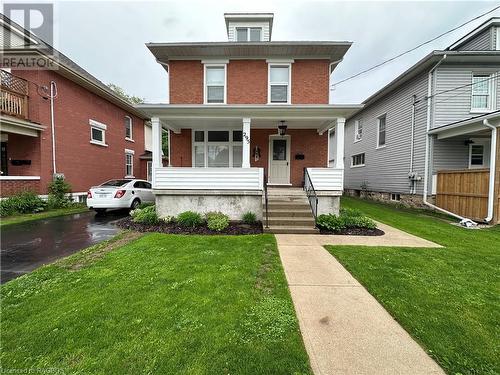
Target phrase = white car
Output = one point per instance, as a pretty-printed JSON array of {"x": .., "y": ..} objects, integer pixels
[{"x": 124, "y": 193}]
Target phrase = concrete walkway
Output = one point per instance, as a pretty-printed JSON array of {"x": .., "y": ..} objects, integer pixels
[{"x": 345, "y": 329}]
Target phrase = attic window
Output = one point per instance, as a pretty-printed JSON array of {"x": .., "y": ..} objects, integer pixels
[{"x": 248, "y": 34}]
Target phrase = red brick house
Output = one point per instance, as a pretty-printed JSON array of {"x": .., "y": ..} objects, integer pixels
[
  {"x": 93, "y": 134},
  {"x": 248, "y": 114}
]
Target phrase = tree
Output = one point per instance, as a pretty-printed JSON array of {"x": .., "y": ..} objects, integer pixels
[{"x": 121, "y": 93}]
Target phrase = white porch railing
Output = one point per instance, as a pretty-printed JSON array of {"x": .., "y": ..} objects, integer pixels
[
  {"x": 330, "y": 179},
  {"x": 172, "y": 178}
]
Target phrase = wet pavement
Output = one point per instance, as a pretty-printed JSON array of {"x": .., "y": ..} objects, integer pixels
[{"x": 27, "y": 246}]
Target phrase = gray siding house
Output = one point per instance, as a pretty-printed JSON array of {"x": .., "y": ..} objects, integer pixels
[{"x": 430, "y": 136}]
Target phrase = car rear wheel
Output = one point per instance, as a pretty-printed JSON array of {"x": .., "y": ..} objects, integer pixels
[{"x": 135, "y": 204}]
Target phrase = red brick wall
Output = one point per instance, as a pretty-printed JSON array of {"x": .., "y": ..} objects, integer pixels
[
  {"x": 83, "y": 163},
  {"x": 12, "y": 187},
  {"x": 310, "y": 81},
  {"x": 23, "y": 147},
  {"x": 303, "y": 141},
  {"x": 181, "y": 149},
  {"x": 247, "y": 82},
  {"x": 186, "y": 82}
]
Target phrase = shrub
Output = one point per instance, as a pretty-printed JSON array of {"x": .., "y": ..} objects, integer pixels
[
  {"x": 145, "y": 215},
  {"x": 348, "y": 218},
  {"x": 58, "y": 190},
  {"x": 189, "y": 219},
  {"x": 145, "y": 204},
  {"x": 22, "y": 203},
  {"x": 217, "y": 221},
  {"x": 249, "y": 218}
]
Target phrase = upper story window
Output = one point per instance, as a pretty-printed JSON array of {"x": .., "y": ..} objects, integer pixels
[
  {"x": 279, "y": 83},
  {"x": 481, "y": 92},
  {"x": 215, "y": 84},
  {"x": 358, "y": 131},
  {"x": 381, "y": 131},
  {"x": 97, "y": 133},
  {"x": 129, "y": 163},
  {"x": 128, "y": 128},
  {"x": 498, "y": 39},
  {"x": 248, "y": 34}
]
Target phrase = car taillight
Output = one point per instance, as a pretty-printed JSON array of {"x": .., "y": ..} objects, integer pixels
[
  {"x": 89, "y": 194},
  {"x": 120, "y": 193}
]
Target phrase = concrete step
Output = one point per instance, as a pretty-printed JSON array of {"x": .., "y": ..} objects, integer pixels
[
  {"x": 287, "y": 205},
  {"x": 291, "y": 221},
  {"x": 284, "y": 229},
  {"x": 278, "y": 212}
]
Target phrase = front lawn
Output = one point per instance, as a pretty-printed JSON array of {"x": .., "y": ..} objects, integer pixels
[
  {"x": 162, "y": 304},
  {"x": 447, "y": 299},
  {"x": 8, "y": 220}
]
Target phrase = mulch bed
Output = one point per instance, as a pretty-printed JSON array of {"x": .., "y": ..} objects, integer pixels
[
  {"x": 355, "y": 232},
  {"x": 234, "y": 228}
]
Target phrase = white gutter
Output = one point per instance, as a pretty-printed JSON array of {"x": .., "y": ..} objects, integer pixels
[
  {"x": 493, "y": 156},
  {"x": 53, "y": 94},
  {"x": 464, "y": 220}
]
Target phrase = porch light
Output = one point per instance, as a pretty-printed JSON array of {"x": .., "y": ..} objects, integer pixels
[{"x": 282, "y": 128}]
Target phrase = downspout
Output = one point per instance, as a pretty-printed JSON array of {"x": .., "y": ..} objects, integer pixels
[
  {"x": 493, "y": 156},
  {"x": 412, "y": 142},
  {"x": 464, "y": 220},
  {"x": 53, "y": 95}
]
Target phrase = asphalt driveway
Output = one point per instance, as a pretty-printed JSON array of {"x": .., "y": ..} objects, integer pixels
[{"x": 27, "y": 246}]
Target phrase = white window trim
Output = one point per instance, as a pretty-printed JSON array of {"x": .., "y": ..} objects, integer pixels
[
  {"x": 131, "y": 138},
  {"x": 131, "y": 153},
  {"x": 356, "y": 131},
  {"x": 248, "y": 33},
  {"x": 485, "y": 155},
  {"x": 101, "y": 127},
  {"x": 357, "y": 165},
  {"x": 205, "y": 145},
  {"x": 394, "y": 196},
  {"x": 378, "y": 131},
  {"x": 491, "y": 94},
  {"x": 205, "y": 91},
  {"x": 270, "y": 64}
]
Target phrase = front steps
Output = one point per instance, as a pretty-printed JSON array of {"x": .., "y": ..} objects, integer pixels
[{"x": 289, "y": 212}]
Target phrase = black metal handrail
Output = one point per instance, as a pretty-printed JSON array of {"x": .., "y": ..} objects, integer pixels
[
  {"x": 311, "y": 193},
  {"x": 266, "y": 200}
]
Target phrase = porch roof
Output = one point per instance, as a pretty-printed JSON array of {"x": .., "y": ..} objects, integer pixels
[
  {"x": 467, "y": 126},
  {"x": 16, "y": 125},
  {"x": 312, "y": 116}
]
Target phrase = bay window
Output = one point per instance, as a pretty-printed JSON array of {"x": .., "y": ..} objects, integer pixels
[
  {"x": 215, "y": 84},
  {"x": 217, "y": 148},
  {"x": 279, "y": 83}
]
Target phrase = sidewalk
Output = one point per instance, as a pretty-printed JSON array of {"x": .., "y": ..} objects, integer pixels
[{"x": 345, "y": 329}]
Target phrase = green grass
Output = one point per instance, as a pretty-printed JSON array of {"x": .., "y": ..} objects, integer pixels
[
  {"x": 448, "y": 298},
  {"x": 162, "y": 304},
  {"x": 9, "y": 220}
]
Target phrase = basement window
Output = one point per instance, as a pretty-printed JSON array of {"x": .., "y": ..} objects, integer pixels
[
  {"x": 358, "y": 160},
  {"x": 395, "y": 197}
]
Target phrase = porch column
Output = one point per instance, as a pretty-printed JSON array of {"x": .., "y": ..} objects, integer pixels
[
  {"x": 246, "y": 144},
  {"x": 156, "y": 146},
  {"x": 339, "y": 143}
]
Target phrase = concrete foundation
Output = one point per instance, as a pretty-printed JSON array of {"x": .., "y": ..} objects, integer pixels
[
  {"x": 405, "y": 200},
  {"x": 328, "y": 202},
  {"x": 232, "y": 203}
]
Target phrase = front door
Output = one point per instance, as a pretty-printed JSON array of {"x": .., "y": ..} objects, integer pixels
[
  {"x": 4, "y": 158},
  {"x": 279, "y": 160}
]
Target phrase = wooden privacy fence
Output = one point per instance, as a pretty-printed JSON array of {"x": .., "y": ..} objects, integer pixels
[{"x": 464, "y": 192}]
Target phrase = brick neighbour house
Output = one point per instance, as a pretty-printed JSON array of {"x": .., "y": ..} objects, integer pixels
[
  {"x": 79, "y": 100},
  {"x": 246, "y": 114}
]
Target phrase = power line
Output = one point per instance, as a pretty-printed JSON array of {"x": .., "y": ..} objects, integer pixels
[
  {"x": 414, "y": 48},
  {"x": 494, "y": 76}
]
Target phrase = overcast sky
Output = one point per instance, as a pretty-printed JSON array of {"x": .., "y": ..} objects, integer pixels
[{"x": 107, "y": 38}]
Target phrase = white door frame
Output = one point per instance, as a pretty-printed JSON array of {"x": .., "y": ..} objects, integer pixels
[{"x": 270, "y": 156}]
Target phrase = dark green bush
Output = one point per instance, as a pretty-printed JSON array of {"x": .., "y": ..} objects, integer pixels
[
  {"x": 249, "y": 218},
  {"x": 145, "y": 204},
  {"x": 146, "y": 215},
  {"x": 348, "y": 218},
  {"x": 189, "y": 219},
  {"x": 58, "y": 194},
  {"x": 22, "y": 203},
  {"x": 217, "y": 221}
]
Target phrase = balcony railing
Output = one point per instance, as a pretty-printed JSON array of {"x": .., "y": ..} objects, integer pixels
[{"x": 14, "y": 95}]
